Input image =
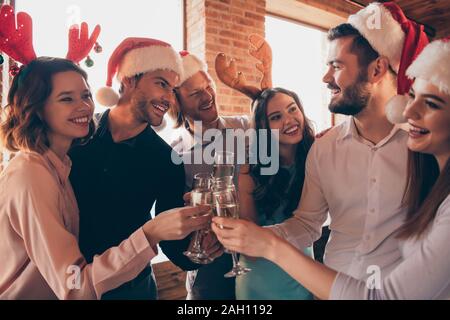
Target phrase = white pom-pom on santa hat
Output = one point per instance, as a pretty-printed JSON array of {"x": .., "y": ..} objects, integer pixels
[
  {"x": 395, "y": 107},
  {"x": 134, "y": 56},
  {"x": 107, "y": 97}
]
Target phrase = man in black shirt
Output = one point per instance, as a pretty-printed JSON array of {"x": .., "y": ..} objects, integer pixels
[{"x": 126, "y": 166}]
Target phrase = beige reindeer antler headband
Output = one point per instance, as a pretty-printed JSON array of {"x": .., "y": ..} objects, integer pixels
[{"x": 228, "y": 74}]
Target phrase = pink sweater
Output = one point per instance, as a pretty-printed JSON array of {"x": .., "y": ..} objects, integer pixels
[{"x": 39, "y": 224}]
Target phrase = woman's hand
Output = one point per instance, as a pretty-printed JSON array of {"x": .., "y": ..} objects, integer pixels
[
  {"x": 245, "y": 237},
  {"x": 255, "y": 241}
]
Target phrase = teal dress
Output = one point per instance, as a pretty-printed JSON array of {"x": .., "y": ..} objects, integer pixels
[{"x": 267, "y": 281}]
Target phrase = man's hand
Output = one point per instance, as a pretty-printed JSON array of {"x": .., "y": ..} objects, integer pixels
[
  {"x": 177, "y": 223},
  {"x": 187, "y": 198},
  {"x": 213, "y": 248}
]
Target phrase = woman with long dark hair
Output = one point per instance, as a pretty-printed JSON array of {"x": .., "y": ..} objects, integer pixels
[
  {"x": 270, "y": 199},
  {"x": 424, "y": 272}
]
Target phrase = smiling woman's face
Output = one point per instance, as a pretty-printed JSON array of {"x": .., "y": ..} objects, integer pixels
[
  {"x": 428, "y": 114},
  {"x": 69, "y": 108},
  {"x": 285, "y": 115}
]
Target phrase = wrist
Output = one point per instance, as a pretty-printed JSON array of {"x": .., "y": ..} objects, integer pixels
[
  {"x": 150, "y": 233},
  {"x": 273, "y": 246}
]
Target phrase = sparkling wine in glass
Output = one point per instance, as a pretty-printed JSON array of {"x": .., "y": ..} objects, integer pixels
[
  {"x": 223, "y": 164},
  {"x": 200, "y": 195},
  {"x": 225, "y": 204}
]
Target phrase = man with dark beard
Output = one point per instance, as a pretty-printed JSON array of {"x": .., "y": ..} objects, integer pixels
[
  {"x": 126, "y": 167},
  {"x": 356, "y": 172},
  {"x": 355, "y": 97}
]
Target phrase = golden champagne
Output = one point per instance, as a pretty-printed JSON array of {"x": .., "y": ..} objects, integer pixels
[{"x": 226, "y": 210}]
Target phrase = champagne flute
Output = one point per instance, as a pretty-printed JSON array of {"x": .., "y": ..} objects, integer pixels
[
  {"x": 223, "y": 164},
  {"x": 200, "y": 195},
  {"x": 225, "y": 204},
  {"x": 223, "y": 169}
]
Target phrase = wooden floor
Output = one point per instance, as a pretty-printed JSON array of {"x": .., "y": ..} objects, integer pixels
[{"x": 171, "y": 281}]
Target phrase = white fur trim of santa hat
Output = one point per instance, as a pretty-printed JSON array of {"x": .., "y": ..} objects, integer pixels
[
  {"x": 433, "y": 65},
  {"x": 134, "y": 56},
  {"x": 382, "y": 31},
  {"x": 191, "y": 65},
  {"x": 143, "y": 60}
]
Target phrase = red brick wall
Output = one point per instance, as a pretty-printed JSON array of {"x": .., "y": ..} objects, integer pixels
[{"x": 215, "y": 26}]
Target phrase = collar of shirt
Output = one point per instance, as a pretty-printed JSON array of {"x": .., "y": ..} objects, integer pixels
[
  {"x": 101, "y": 123},
  {"x": 349, "y": 130},
  {"x": 62, "y": 167},
  {"x": 102, "y": 131}
]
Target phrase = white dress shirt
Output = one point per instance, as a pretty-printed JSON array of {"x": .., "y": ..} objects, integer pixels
[
  {"x": 361, "y": 186},
  {"x": 424, "y": 272}
]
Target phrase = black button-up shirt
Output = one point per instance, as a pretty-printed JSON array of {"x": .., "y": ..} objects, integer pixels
[{"x": 116, "y": 185}]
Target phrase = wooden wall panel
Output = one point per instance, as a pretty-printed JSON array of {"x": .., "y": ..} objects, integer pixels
[{"x": 433, "y": 13}]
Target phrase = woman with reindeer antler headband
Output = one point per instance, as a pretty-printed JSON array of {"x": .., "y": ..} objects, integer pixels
[
  {"x": 270, "y": 199},
  {"x": 50, "y": 109}
]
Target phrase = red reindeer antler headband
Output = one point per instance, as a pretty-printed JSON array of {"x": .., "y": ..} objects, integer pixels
[{"x": 16, "y": 39}]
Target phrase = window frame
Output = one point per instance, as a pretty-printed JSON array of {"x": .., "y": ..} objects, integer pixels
[{"x": 307, "y": 15}]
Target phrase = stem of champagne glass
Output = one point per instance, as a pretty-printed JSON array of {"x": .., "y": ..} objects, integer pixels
[{"x": 235, "y": 259}]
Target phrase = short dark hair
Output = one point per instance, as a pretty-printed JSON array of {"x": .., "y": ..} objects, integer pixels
[
  {"x": 136, "y": 77},
  {"x": 360, "y": 46}
]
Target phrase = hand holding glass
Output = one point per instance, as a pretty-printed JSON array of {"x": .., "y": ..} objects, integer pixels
[
  {"x": 200, "y": 195},
  {"x": 225, "y": 204}
]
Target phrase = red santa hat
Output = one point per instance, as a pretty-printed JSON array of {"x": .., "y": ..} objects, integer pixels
[
  {"x": 432, "y": 65},
  {"x": 394, "y": 36},
  {"x": 191, "y": 65},
  {"x": 134, "y": 56}
]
